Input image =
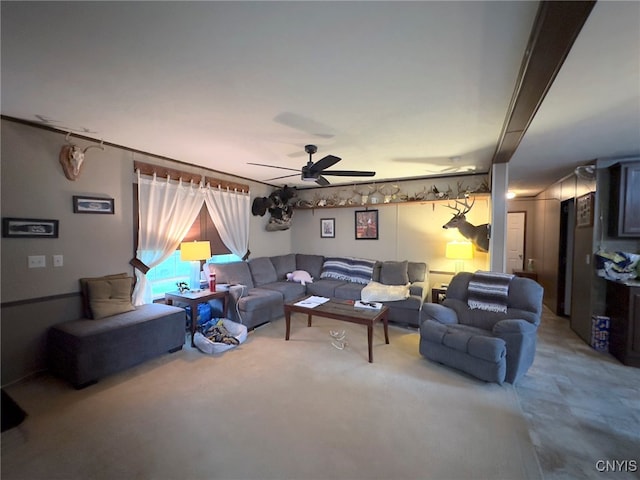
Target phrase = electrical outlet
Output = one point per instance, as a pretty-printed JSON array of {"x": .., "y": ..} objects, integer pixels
[
  {"x": 37, "y": 261},
  {"x": 58, "y": 260}
]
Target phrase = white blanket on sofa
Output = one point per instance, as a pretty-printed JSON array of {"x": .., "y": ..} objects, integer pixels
[{"x": 378, "y": 292}]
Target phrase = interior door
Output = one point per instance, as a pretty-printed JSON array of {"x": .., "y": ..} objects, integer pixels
[{"x": 516, "y": 222}]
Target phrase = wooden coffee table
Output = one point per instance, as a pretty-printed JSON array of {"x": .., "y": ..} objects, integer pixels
[{"x": 345, "y": 311}]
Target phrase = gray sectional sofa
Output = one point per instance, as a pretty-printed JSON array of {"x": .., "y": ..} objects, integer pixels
[{"x": 260, "y": 289}]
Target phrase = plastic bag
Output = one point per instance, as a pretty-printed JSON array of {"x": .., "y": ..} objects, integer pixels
[{"x": 617, "y": 265}]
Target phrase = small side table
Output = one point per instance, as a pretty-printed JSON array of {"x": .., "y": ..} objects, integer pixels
[
  {"x": 438, "y": 295},
  {"x": 527, "y": 274},
  {"x": 193, "y": 299}
]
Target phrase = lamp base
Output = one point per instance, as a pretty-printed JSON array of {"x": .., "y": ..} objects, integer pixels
[
  {"x": 194, "y": 278},
  {"x": 459, "y": 266}
]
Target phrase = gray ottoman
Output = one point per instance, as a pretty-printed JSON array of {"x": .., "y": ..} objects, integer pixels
[
  {"x": 83, "y": 351},
  {"x": 465, "y": 348}
]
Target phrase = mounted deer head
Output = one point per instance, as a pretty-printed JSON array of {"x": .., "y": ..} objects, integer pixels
[
  {"x": 72, "y": 157},
  {"x": 478, "y": 235}
]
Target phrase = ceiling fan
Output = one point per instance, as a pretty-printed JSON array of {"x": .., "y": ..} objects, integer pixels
[{"x": 313, "y": 172}]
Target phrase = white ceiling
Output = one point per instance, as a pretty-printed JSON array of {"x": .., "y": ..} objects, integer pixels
[{"x": 405, "y": 89}]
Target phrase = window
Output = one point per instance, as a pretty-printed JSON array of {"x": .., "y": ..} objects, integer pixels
[{"x": 163, "y": 277}]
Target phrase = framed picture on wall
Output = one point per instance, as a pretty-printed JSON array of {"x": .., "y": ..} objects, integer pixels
[
  {"x": 366, "y": 225},
  {"x": 29, "y": 228},
  {"x": 92, "y": 205},
  {"x": 327, "y": 228},
  {"x": 584, "y": 210}
]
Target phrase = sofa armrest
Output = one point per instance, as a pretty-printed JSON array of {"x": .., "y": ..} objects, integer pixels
[
  {"x": 512, "y": 325},
  {"x": 418, "y": 289},
  {"x": 438, "y": 313}
]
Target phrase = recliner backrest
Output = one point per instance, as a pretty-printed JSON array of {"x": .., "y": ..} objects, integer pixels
[{"x": 524, "y": 302}]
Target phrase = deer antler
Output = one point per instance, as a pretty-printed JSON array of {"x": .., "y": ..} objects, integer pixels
[
  {"x": 101, "y": 146},
  {"x": 465, "y": 204}
]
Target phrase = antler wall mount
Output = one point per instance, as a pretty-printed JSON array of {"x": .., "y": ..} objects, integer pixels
[{"x": 72, "y": 157}]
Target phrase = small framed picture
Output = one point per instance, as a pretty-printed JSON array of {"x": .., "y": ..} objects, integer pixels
[
  {"x": 366, "y": 224},
  {"x": 327, "y": 228},
  {"x": 29, "y": 228},
  {"x": 584, "y": 210},
  {"x": 93, "y": 205}
]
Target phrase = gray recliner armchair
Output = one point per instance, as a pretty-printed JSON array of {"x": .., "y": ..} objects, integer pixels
[{"x": 492, "y": 346}]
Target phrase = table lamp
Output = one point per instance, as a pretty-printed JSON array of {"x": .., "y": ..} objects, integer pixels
[
  {"x": 194, "y": 252},
  {"x": 459, "y": 251}
]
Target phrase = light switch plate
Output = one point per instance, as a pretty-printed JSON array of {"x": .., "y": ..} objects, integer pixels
[
  {"x": 58, "y": 260},
  {"x": 37, "y": 261}
]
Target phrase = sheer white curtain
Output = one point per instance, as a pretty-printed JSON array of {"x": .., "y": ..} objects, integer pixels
[
  {"x": 230, "y": 211},
  {"x": 166, "y": 212}
]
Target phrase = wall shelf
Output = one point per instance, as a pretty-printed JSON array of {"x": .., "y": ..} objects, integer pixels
[{"x": 367, "y": 206}]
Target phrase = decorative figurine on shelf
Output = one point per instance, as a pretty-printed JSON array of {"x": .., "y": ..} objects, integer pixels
[{"x": 182, "y": 287}]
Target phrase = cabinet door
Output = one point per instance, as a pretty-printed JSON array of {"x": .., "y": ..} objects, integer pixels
[{"x": 624, "y": 220}]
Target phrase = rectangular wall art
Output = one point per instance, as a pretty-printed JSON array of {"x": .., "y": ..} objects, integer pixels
[
  {"x": 29, "y": 228},
  {"x": 366, "y": 224},
  {"x": 327, "y": 228},
  {"x": 92, "y": 205}
]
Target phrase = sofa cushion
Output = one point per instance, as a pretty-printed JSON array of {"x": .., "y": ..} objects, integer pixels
[
  {"x": 349, "y": 269},
  {"x": 417, "y": 271},
  {"x": 234, "y": 273},
  {"x": 84, "y": 290},
  {"x": 262, "y": 271},
  {"x": 284, "y": 264},
  {"x": 361, "y": 270},
  {"x": 348, "y": 291},
  {"x": 336, "y": 268},
  {"x": 258, "y": 298},
  {"x": 324, "y": 287},
  {"x": 110, "y": 296},
  {"x": 310, "y": 263},
  {"x": 289, "y": 290},
  {"x": 394, "y": 273}
]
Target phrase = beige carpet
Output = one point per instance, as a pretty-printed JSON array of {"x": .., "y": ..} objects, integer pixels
[{"x": 272, "y": 409}]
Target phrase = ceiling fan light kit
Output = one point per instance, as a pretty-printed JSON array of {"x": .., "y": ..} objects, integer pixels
[{"x": 313, "y": 172}]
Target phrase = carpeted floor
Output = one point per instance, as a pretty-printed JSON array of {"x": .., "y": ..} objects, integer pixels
[{"x": 272, "y": 409}]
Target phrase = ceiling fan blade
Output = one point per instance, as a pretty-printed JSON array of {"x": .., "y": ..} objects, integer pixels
[
  {"x": 349, "y": 173},
  {"x": 322, "y": 181},
  {"x": 325, "y": 162},
  {"x": 284, "y": 176},
  {"x": 274, "y": 166}
]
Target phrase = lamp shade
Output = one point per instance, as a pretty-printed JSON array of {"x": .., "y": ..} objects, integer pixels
[
  {"x": 190, "y": 251},
  {"x": 459, "y": 250}
]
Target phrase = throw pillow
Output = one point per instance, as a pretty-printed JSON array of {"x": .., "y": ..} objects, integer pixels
[
  {"x": 336, "y": 268},
  {"x": 377, "y": 292},
  {"x": 109, "y": 297},
  {"x": 84, "y": 290},
  {"x": 361, "y": 270},
  {"x": 394, "y": 273}
]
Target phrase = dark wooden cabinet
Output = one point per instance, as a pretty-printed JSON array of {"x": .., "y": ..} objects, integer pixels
[
  {"x": 623, "y": 308},
  {"x": 624, "y": 200}
]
